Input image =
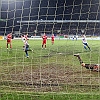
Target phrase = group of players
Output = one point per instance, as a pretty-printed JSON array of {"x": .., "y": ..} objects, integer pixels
[
  {"x": 91, "y": 67},
  {"x": 94, "y": 67},
  {"x": 26, "y": 44}
]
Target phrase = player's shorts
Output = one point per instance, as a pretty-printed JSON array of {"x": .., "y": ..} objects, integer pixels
[
  {"x": 52, "y": 39},
  {"x": 44, "y": 42},
  {"x": 8, "y": 41},
  {"x": 85, "y": 44}
]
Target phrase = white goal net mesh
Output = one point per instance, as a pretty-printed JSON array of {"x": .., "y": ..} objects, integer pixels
[{"x": 53, "y": 73}]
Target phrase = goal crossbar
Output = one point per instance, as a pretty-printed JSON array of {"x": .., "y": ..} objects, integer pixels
[{"x": 60, "y": 21}]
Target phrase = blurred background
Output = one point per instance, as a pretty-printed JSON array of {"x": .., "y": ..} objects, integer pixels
[{"x": 13, "y": 11}]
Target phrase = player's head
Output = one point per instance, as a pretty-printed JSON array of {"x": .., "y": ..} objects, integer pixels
[
  {"x": 10, "y": 33},
  {"x": 83, "y": 64},
  {"x": 44, "y": 34},
  {"x": 26, "y": 33}
]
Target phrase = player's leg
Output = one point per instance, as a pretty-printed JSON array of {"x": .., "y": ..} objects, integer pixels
[
  {"x": 7, "y": 45},
  {"x": 88, "y": 46},
  {"x": 29, "y": 49},
  {"x": 26, "y": 53},
  {"x": 52, "y": 42},
  {"x": 45, "y": 44},
  {"x": 26, "y": 50},
  {"x": 42, "y": 44},
  {"x": 10, "y": 45},
  {"x": 84, "y": 44}
]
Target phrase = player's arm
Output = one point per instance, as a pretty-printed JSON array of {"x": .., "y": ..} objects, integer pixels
[
  {"x": 79, "y": 58},
  {"x": 7, "y": 37}
]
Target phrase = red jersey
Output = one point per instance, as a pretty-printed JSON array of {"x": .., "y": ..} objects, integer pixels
[
  {"x": 9, "y": 37},
  {"x": 44, "y": 38},
  {"x": 52, "y": 37}
]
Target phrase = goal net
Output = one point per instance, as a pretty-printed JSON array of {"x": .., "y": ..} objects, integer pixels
[{"x": 53, "y": 73}]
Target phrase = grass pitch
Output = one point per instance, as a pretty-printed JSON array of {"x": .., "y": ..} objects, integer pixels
[{"x": 54, "y": 69}]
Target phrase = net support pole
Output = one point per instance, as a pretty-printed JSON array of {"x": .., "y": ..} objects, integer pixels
[{"x": 0, "y": 7}]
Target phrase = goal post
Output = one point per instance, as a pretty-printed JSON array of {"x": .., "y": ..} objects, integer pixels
[{"x": 0, "y": 7}]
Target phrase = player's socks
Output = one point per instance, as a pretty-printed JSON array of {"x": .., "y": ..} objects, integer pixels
[
  {"x": 45, "y": 46},
  {"x": 7, "y": 45},
  {"x": 89, "y": 48},
  {"x": 26, "y": 53},
  {"x": 42, "y": 46}
]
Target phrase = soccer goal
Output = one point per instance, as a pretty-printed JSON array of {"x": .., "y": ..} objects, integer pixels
[{"x": 53, "y": 73}]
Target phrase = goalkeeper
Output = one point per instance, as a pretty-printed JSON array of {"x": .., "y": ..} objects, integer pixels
[{"x": 93, "y": 67}]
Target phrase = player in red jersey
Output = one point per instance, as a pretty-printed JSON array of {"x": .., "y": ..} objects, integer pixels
[
  {"x": 9, "y": 40},
  {"x": 52, "y": 39},
  {"x": 44, "y": 37}
]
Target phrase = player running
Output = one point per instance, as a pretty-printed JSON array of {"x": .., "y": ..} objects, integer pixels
[
  {"x": 44, "y": 37},
  {"x": 27, "y": 48},
  {"x": 84, "y": 41},
  {"x": 93, "y": 67},
  {"x": 52, "y": 39},
  {"x": 9, "y": 40}
]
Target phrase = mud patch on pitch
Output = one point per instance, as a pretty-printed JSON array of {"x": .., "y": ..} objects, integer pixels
[{"x": 48, "y": 77}]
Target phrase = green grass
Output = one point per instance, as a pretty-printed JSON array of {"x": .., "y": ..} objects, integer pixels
[
  {"x": 48, "y": 96},
  {"x": 21, "y": 77}
]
